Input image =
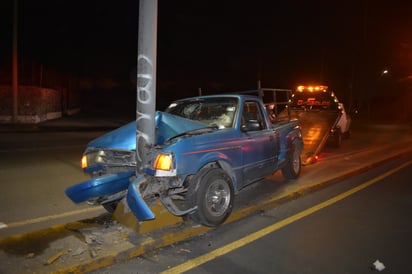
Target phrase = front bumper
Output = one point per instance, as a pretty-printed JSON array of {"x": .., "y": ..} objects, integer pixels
[
  {"x": 135, "y": 200},
  {"x": 100, "y": 186}
]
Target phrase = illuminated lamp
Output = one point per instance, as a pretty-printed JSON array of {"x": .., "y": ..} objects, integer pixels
[{"x": 163, "y": 162}]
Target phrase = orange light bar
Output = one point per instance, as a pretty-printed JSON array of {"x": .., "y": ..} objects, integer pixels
[{"x": 312, "y": 88}]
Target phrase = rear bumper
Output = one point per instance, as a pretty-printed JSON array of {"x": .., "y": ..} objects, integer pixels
[{"x": 100, "y": 186}]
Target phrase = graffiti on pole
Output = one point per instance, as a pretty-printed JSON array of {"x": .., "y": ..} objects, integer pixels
[{"x": 144, "y": 112}]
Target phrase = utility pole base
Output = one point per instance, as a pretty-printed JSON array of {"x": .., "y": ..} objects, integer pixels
[{"x": 164, "y": 218}]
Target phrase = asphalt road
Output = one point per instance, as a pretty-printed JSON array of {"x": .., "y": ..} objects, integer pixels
[
  {"x": 35, "y": 169},
  {"x": 344, "y": 228}
]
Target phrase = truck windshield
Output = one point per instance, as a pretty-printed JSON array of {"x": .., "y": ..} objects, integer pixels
[{"x": 217, "y": 112}]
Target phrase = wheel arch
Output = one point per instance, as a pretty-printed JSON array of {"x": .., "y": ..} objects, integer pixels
[
  {"x": 225, "y": 166},
  {"x": 293, "y": 137},
  {"x": 223, "y": 161}
]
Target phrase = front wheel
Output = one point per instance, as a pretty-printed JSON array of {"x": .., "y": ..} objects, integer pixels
[
  {"x": 293, "y": 165},
  {"x": 211, "y": 190}
]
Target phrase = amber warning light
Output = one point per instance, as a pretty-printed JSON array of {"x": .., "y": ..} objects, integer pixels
[{"x": 311, "y": 88}]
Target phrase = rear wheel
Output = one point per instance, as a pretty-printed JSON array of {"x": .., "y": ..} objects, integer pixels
[
  {"x": 293, "y": 165},
  {"x": 338, "y": 138},
  {"x": 211, "y": 190},
  {"x": 347, "y": 134}
]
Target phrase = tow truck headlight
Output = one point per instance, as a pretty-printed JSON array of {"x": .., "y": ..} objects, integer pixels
[{"x": 163, "y": 161}]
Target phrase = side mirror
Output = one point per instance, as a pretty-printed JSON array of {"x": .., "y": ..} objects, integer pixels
[{"x": 251, "y": 125}]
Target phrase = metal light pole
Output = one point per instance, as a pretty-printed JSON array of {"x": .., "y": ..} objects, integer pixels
[
  {"x": 146, "y": 81},
  {"x": 15, "y": 85}
]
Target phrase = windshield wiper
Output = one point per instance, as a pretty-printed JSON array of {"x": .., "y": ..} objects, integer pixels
[{"x": 195, "y": 132}]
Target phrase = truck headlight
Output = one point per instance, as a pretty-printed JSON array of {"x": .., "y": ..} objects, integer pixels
[
  {"x": 93, "y": 158},
  {"x": 163, "y": 161},
  {"x": 84, "y": 162}
]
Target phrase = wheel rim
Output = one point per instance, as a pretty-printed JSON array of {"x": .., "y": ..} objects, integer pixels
[
  {"x": 218, "y": 197},
  {"x": 296, "y": 160}
]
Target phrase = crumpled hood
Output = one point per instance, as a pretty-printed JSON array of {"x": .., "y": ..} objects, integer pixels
[{"x": 167, "y": 126}]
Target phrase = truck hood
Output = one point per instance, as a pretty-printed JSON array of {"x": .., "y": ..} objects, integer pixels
[{"x": 167, "y": 126}]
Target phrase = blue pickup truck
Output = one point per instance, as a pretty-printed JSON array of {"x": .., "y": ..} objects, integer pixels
[{"x": 207, "y": 149}]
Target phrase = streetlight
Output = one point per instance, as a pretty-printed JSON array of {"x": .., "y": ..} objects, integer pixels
[{"x": 377, "y": 87}]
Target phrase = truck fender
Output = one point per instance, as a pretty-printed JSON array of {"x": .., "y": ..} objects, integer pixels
[
  {"x": 294, "y": 136},
  {"x": 223, "y": 161}
]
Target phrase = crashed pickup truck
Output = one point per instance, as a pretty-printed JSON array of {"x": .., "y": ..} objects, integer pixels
[{"x": 207, "y": 149}]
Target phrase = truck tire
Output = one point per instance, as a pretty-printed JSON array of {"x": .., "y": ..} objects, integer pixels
[
  {"x": 347, "y": 134},
  {"x": 211, "y": 190},
  {"x": 293, "y": 165},
  {"x": 338, "y": 139}
]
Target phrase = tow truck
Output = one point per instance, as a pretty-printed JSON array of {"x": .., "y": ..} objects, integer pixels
[{"x": 322, "y": 116}]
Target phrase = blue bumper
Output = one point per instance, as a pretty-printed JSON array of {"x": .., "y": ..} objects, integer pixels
[
  {"x": 101, "y": 186},
  {"x": 135, "y": 201}
]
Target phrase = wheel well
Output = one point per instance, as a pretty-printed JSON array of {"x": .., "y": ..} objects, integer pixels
[
  {"x": 294, "y": 139},
  {"x": 223, "y": 165}
]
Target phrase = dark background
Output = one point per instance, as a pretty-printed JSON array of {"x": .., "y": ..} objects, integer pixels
[{"x": 218, "y": 46}]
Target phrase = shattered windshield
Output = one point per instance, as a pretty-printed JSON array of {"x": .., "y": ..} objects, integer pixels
[{"x": 217, "y": 112}]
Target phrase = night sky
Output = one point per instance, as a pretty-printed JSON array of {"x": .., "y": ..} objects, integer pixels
[{"x": 220, "y": 45}]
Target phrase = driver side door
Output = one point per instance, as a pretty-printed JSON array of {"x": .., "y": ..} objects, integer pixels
[{"x": 259, "y": 144}]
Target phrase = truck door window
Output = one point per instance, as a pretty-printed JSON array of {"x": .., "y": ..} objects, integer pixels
[{"x": 252, "y": 113}]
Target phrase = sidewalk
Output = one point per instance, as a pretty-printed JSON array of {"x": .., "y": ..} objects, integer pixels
[{"x": 77, "y": 122}]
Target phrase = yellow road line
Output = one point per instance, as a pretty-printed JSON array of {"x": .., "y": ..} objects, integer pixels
[{"x": 267, "y": 230}]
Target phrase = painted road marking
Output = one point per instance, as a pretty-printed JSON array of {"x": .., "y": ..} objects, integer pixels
[{"x": 272, "y": 228}]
